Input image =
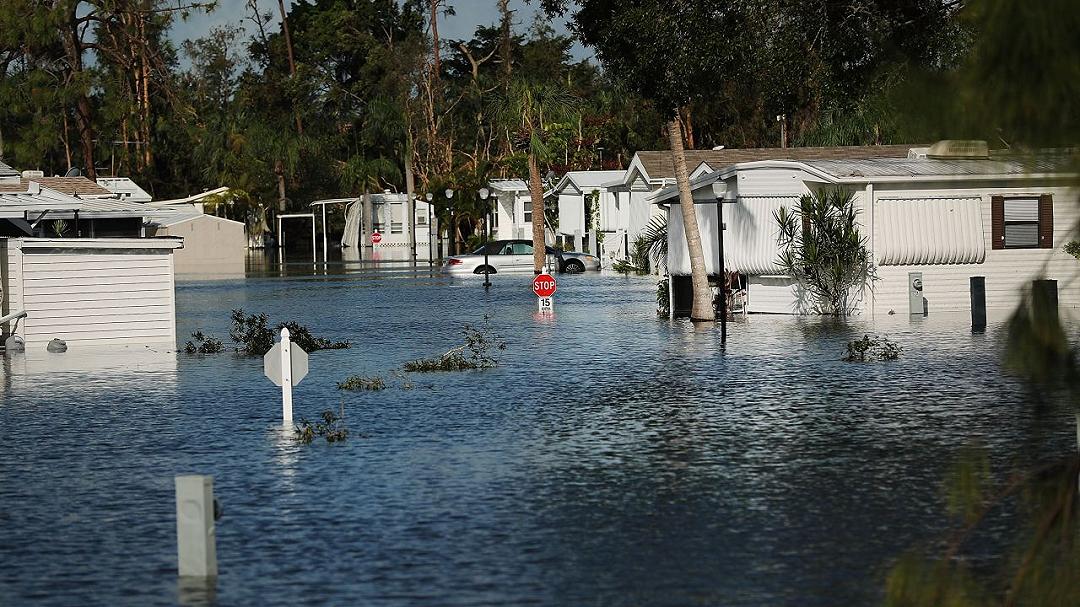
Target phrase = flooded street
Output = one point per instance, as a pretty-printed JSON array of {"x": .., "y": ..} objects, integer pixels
[{"x": 612, "y": 458}]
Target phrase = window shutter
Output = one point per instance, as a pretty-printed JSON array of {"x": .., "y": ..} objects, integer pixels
[
  {"x": 1046, "y": 221},
  {"x": 997, "y": 222}
]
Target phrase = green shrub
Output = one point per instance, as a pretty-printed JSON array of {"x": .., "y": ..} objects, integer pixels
[
  {"x": 476, "y": 353},
  {"x": 663, "y": 298},
  {"x": 821, "y": 247},
  {"x": 253, "y": 335},
  {"x": 332, "y": 427},
  {"x": 357, "y": 383},
  {"x": 203, "y": 344},
  {"x": 871, "y": 348}
]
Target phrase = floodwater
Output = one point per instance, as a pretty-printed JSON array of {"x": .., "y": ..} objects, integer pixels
[{"x": 611, "y": 459}]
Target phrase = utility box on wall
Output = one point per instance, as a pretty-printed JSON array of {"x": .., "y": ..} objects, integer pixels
[{"x": 915, "y": 294}]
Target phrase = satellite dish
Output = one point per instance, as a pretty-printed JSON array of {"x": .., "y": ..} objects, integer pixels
[{"x": 73, "y": 172}]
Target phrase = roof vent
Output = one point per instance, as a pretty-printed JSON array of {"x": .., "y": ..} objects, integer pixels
[
  {"x": 959, "y": 148},
  {"x": 33, "y": 174}
]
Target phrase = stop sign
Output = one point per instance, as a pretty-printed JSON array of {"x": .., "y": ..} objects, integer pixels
[
  {"x": 544, "y": 285},
  {"x": 376, "y": 238}
]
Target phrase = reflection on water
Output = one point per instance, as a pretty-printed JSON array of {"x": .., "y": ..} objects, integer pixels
[{"x": 611, "y": 458}]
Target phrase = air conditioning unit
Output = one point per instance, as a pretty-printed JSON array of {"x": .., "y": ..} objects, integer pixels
[
  {"x": 33, "y": 174},
  {"x": 959, "y": 149}
]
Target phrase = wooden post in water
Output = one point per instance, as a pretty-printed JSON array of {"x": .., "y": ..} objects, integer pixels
[{"x": 978, "y": 304}]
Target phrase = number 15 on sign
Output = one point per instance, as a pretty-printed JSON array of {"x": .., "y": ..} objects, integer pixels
[{"x": 547, "y": 305}]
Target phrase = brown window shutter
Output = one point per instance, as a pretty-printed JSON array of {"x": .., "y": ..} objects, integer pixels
[
  {"x": 997, "y": 222},
  {"x": 1046, "y": 221}
]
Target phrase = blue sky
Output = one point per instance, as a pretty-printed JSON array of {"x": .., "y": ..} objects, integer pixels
[{"x": 469, "y": 14}]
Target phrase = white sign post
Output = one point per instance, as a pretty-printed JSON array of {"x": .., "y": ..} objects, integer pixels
[
  {"x": 286, "y": 364},
  {"x": 196, "y": 546}
]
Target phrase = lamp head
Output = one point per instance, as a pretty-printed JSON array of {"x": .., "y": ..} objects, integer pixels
[
  {"x": 449, "y": 193},
  {"x": 719, "y": 189},
  {"x": 484, "y": 193},
  {"x": 429, "y": 196}
]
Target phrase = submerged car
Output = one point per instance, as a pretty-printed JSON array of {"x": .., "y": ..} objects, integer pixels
[{"x": 517, "y": 256}]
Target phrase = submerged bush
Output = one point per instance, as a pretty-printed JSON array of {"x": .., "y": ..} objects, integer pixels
[
  {"x": 663, "y": 298},
  {"x": 203, "y": 344},
  {"x": 475, "y": 353},
  {"x": 358, "y": 382},
  {"x": 332, "y": 427},
  {"x": 871, "y": 348},
  {"x": 253, "y": 335}
]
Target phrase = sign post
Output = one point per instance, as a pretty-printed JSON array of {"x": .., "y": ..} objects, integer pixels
[
  {"x": 286, "y": 364},
  {"x": 544, "y": 287}
]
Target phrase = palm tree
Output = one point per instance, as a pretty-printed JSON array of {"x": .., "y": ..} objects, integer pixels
[
  {"x": 702, "y": 309},
  {"x": 526, "y": 109}
]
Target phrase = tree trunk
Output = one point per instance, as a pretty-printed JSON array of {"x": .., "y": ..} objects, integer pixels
[
  {"x": 536, "y": 193},
  {"x": 505, "y": 56},
  {"x": 702, "y": 309},
  {"x": 410, "y": 202},
  {"x": 84, "y": 120},
  {"x": 279, "y": 169},
  {"x": 436, "y": 60},
  {"x": 292, "y": 59}
]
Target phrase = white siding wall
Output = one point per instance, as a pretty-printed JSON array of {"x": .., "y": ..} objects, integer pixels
[
  {"x": 11, "y": 282},
  {"x": 678, "y": 256},
  {"x": 775, "y": 295},
  {"x": 95, "y": 297},
  {"x": 571, "y": 212},
  {"x": 212, "y": 245},
  {"x": 772, "y": 182},
  {"x": 1007, "y": 271}
]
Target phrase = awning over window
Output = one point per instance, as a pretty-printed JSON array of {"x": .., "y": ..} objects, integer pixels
[{"x": 929, "y": 231}]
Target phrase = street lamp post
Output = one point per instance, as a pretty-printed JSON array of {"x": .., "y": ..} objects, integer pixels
[
  {"x": 430, "y": 241},
  {"x": 453, "y": 225},
  {"x": 719, "y": 190},
  {"x": 484, "y": 193}
]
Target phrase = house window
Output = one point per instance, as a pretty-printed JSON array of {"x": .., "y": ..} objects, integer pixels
[
  {"x": 528, "y": 211},
  {"x": 396, "y": 216},
  {"x": 1022, "y": 222}
]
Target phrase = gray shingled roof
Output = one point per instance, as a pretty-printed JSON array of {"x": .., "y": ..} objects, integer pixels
[
  {"x": 72, "y": 186},
  {"x": 6, "y": 171},
  {"x": 658, "y": 164}
]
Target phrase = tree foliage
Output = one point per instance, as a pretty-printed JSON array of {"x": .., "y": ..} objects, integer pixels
[{"x": 822, "y": 248}]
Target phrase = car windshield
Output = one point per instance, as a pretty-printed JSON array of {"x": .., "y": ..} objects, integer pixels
[{"x": 491, "y": 248}]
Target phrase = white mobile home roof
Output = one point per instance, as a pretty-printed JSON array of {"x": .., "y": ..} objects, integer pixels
[
  {"x": 509, "y": 185},
  {"x": 125, "y": 188},
  {"x": 587, "y": 180},
  {"x": 6, "y": 171},
  {"x": 15, "y": 205},
  {"x": 876, "y": 170}
]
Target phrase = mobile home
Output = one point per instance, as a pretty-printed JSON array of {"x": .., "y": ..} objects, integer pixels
[{"x": 931, "y": 221}]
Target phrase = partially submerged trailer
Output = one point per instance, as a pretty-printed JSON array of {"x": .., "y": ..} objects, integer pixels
[{"x": 931, "y": 222}]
